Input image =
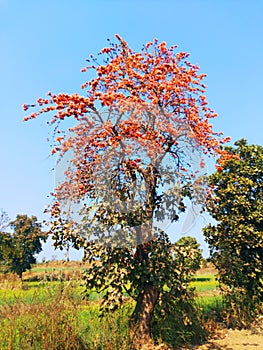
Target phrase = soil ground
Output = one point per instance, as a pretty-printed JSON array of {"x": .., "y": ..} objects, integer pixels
[{"x": 229, "y": 339}]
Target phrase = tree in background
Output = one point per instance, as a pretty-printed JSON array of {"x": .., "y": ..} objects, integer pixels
[
  {"x": 19, "y": 247},
  {"x": 134, "y": 134},
  {"x": 4, "y": 219},
  {"x": 3, "y": 224},
  {"x": 236, "y": 241},
  {"x": 188, "y": 256}
]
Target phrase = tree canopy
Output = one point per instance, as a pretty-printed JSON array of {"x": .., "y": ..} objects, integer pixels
[
  {"x": 4, "y": 219},
  {"x": 188, "y": 255},
  {"x": 135, "y": 131},
  {"x": 20, "y": 246},
  {"x": 236, "y": 240}
]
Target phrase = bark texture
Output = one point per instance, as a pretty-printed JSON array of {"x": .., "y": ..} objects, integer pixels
[{"x": 140, "y": 323}]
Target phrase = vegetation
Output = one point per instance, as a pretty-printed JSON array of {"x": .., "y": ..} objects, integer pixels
[
  {"x": 236, "y": 241},
  {"x": 187, "y": 255},
  {"x": 54, "y": 315},
  {"x": 135, "y": 131},
  {"x": 18, "y": 248},
  {"x": 3, "y": 220}
]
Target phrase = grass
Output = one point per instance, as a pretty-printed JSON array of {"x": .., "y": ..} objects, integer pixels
[
  {"x": 35, "y": 292},
  {"x": 109, "y": 332},
  {"x": 204, "y": 283},
  {"x": 60, "y": 319},
  {"x": 48, "y": 314},
  {"x": 51, "y": 324}
]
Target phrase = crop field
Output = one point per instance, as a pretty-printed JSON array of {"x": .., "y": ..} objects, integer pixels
[{"x": 49, "y": 311}]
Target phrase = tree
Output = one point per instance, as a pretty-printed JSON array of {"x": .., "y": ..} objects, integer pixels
[
  {"x": 3, "y": 224},
  {"x": 135, "y": 131},
  {"x": 3, "y": 220},
  {"x": 19, "y": 247},
  {"x": 188, "y": 256},
  {"x": 236, "y": 240}
]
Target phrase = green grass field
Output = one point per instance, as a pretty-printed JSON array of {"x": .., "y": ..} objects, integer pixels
[
  {"x": 204, "y": 283},
  {"x": 48, "y": 313}
]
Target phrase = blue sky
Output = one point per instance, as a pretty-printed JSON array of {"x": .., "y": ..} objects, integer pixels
[{"x": 43, "y": 48}]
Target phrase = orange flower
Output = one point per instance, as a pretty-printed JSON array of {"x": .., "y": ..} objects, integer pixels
[{"x": 219, "y": 168}]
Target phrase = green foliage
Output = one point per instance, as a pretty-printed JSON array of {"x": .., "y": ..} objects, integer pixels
[
  {"x": 119, "y": 272},
  {"x": 3, "y": 220},
  {"x": 176, "y": 316},
  {"x": 3, "y": 223},
  {"x": 181, "y": 326},
  {"x": 236, "y": 241},
  {"x": 187, "y": 255},
  {"x": 20, "y": 246}
]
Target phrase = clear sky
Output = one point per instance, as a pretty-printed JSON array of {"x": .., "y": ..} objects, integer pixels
[{"x": 43, "y": 48}]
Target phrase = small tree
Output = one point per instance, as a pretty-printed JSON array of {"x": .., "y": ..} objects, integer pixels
[
  {"x": 188, "y": 256},
  {"x": 142, "y": 119},
  {"x": 236, "y": 241},
  {"x": 3, "y": 220},
  {"x": 3, "y": 224},
  {"x": 20, "y": 246}
]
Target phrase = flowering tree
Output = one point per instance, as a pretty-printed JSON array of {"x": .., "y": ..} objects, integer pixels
[{"x": 142, "y": 118}]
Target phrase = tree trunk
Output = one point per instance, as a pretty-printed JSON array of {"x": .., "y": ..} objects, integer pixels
[
  {"x": 141, "y": 319},
  {"x": 140, "y": 323},
  {"x": 67, "y": 251},
  {"x": 20, "y": 275}
]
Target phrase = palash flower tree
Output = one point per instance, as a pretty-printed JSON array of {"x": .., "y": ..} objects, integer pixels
[{"x": 143, "y": 116}]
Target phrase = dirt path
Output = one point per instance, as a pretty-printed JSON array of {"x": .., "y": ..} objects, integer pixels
[{"x": 236, "y": 340}]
